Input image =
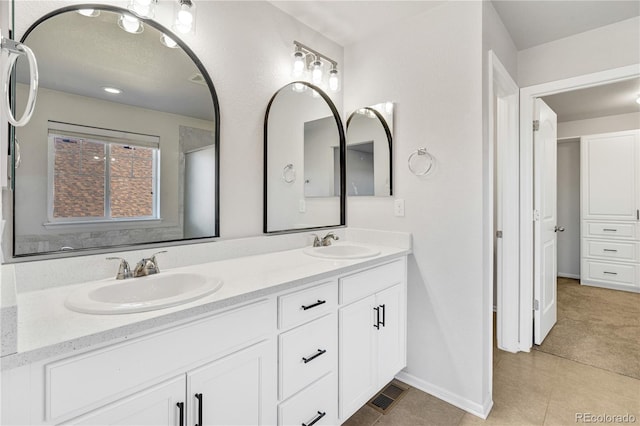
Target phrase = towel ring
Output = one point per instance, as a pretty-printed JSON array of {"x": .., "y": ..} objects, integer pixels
[
  {"x": 421, "y": 155},
  {"x": 289, "y": 173},
  {"x": 15, "y": 50}
]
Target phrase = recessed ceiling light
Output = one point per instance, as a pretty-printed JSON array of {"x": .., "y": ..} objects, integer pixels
[{"x": 113, "y": 90}]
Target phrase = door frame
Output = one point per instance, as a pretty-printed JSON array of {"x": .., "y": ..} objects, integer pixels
[
  {"x": 527, "y": 97},
  {"x": 503, "y": 128}
]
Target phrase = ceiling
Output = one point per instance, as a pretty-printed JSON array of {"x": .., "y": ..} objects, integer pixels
[{"x": 611, "y": 99}]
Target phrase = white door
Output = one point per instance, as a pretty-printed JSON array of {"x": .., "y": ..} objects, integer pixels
[
  {"x": 545, "y": 141},
  {"x": 239, "y": 389},
  {"x": 155, "y": 406},
  {"x": 391, "y": 346}
]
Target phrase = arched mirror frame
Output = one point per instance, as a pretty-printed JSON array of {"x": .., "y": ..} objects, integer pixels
[
  {"x": 343, "y": 180},
  {"x": 387, "y": 131},
  {"x": 216, "y": 117}
]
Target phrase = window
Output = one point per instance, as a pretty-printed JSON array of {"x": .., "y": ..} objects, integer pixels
[{"x": 101, "y": 176}]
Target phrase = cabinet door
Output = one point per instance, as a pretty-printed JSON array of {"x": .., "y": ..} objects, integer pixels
[
  {"x": 155, "y": 406},
  {"x": 391, "y": 335},
  {"x": 610, "y": 176},
  {"x": 239, "y": 389},
  {"x": 358, "y": 358}
]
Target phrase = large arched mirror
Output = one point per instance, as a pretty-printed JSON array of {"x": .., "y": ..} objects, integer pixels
[
  {"x": 304, "y": 161},
  {"x": 369, "y": 151},
  {"x": 123, "y": 146}
]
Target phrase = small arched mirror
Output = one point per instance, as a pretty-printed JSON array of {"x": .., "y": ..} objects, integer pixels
[
  {"x": 123, "y": 146},
  {"x": 303, "y": 161},
  {"x": 369, "y": 151}
]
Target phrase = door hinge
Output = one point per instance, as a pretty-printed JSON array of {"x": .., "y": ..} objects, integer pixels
[
  {"x": 498, "y": 234},
  {"x": 536, "y": 215},
  {"x": 536, "y": 305},
  {"x": 536, "y": 125}
]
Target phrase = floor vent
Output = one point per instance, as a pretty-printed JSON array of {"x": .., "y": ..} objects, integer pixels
[{"x": 388, "y": 397}]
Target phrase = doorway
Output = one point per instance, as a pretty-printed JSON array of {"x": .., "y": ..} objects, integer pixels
[{"x": 529, "y": 294}]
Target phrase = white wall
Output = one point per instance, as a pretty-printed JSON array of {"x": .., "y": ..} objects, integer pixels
[
  {"x": 432, "y": 71},
  {"x": 603, "y": 48},
  {"x": 593, "y": 126},
  {"x": 569, "y": 208}
]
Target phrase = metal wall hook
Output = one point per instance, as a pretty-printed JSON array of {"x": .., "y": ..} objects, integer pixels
[
  {"x": 417, "y": 156},
  {"x": 15, "y": 50}
]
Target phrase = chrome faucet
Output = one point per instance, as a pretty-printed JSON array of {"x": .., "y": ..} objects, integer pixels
[
  {"x": 124, "y": 271},
  {"x": 147, "y": 266},
  {"x": 325, "y": 241}
]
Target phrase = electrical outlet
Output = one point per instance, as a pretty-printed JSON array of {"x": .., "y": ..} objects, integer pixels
[
  {"x": 302, "y": 205},
  {"x": 398, "y": 207}
]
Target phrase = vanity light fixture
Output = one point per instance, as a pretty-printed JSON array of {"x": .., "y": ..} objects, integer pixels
[
  {"x": 143, "y": 8},
  {"x": 184, "y": 21},
  {"x": 130, "y": 24},
  {"x": 306, "y": 58},
  {"x": 112, "y": 90},
  {"x": 91, "y": 13}
]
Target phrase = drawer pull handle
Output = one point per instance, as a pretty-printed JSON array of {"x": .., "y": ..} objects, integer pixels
[
  {"x": 180, "y": 406},
  {"x": 199, "y": 398},
  {"x": 377, "y": 324},
  {"x": 318, "y": 303},
  {"x": 384, "y": 312},
  {"x": 314, "y": 356},
  {"x": 316, "y": 419},
  {"x": 610, "y": 273},
  {"x": 610, "y": 229},
  {"x": 611, "y": 250}
]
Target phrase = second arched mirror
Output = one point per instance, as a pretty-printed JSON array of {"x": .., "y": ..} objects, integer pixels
[
  {"x": 304, "y": 155},
  {"x": 369, "y": 151}
]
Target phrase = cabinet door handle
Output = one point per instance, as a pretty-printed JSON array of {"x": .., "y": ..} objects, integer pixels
[
  {"x": 180, "y": 406},
  {"x": 316, "y": 419},
  {"x": 611, "y": 250},
  {"x": 610, "y": 273},
  {"x": 318, "y": 303},
  {"x": 384, "y": 311},
  {"x": 199, "y": 398},
  {"x": 314, "y": 356},
  {"x": 610, "y": 229},
  {"x": 377, "y": 324}
]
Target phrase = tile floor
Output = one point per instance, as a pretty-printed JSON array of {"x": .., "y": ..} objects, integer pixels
[{"x": 532, "y": 388}]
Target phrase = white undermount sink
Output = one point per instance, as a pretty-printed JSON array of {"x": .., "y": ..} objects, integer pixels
[
  {"x": 141, "y": 294},
  {"x": 342, "y": 251}
]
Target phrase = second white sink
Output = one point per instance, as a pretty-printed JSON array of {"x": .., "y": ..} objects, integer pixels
[
  {"x": 141, "y": 294},
  {"x": 342, "y": 251}
]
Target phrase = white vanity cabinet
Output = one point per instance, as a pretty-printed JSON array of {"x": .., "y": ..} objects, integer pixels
[
  {"x": 610, "y": 213},
  {"x": 372, "y": 332}
]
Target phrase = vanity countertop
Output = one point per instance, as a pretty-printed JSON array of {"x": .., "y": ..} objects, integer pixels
[{"x": 46, "y": 328}]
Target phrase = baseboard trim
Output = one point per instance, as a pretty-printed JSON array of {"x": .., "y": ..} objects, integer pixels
[
  {"x": 470, "y": 407},
  {"x": 563, "y": 275}
]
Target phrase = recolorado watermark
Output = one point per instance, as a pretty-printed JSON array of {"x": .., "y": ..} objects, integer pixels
[{"x": 605, "y": 418}]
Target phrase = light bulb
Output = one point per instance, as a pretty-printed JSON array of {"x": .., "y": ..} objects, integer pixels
[
  {"x": 142, "y": 8},
  {"x": 334, "y": 80},
  {"x": 91, "y": 13},
  {"x": 299, "y": 87},
  {"x": 184, "y": 18},
  {"x": 130, "y": 24},
  {"x": 298, "y": 64},
  {"x": 316, "y": 71},
  {"x": 168, "y": 41}
]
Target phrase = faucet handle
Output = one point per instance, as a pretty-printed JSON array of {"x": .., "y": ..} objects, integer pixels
[
  {"x": 154, "y": 262},
  {"x": 124, "y": 271},
  {"x": 316, "y": 240}
]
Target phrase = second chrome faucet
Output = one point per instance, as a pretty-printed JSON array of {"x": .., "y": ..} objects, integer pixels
[
  {"x": 146, "y": 266},
  {"x": 324, "y": 241}
]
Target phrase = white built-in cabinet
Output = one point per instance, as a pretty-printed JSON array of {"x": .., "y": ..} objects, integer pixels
[
  {"x": 309, "y": 356},
  {"x": 610, "y": 210}
]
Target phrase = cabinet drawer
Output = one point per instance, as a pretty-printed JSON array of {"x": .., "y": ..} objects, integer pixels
[
  {"x": 305, "y": 305},
  {"x": 615, "y": 250},
  {"x": 610, "y": 230},
  {"x": 365, "y": 283},
  {"x": 307, "y": 353},
  {"x": 615, "y": 273},
  {"x": 78, "y": 384},
  {"x": 318, "y": 401}
]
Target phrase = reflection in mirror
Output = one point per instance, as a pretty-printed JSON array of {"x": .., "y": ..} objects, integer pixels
[
  {"x": 369, "y": 151},
  {"x": 304, "y": 161},
  {"x": 123, "y": 145}
]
